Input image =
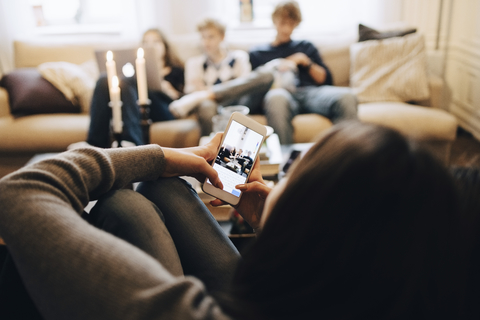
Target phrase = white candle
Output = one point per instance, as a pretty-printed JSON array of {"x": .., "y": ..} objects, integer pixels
[
  {"x": 141, "y": 78},
  {"x": 116, "y": 105},
  {"x": 111, "y": 69}
]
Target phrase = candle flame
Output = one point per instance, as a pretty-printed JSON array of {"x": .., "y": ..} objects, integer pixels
[
  {"x": 140, "y": 53},
  {"x": 109, "y": 55},
  {"x": 114, "y": 82}
]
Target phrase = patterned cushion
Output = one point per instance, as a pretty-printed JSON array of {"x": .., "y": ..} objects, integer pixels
[{"x": 392, "y": 69}]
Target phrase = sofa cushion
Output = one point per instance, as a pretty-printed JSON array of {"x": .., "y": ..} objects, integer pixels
[
  {"x": 416, "y": 122},
  {"x": 306, "y": 127},
  {"x": 42, "y": 133},
  {"x": 365, "y": 33},
  {"x": 30, "y": 93},
  {"x": 76, "y": 82},
  {"x": 392, "y": 69}
]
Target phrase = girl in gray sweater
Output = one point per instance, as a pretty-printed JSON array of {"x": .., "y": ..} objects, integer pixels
[{"x": 364, "y": 226}]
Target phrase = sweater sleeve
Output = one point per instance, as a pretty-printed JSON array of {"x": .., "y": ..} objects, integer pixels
[
  {"x": 194, "y": 74},
  {"x": 73, "y": 270},
  {"x": 313, "y": 53},
  {"x": 242, "y": 65}
]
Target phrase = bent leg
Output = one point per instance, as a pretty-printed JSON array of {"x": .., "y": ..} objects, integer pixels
[
  {"x": 335, "y": 103},
  {"x": 130, "y": 216},
  {"x": 280, "y": 108},
  {"x": 159, "y": 106},
  {"x": 256, "y": 83},
  {"x": 204, "y": 249},
  {"x": 132, "y": 130},
  {"x": 205, "y": 112},
  {"x": 99, "y": 133},
  {"x": 100, "y": 114},
  {"x": 123, "y": 213}
]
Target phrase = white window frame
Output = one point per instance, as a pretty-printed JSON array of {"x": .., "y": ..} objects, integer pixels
[{"x": 91, "y": 24}]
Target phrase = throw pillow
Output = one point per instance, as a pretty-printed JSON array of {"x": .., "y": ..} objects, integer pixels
[
  {"x": 76, "y": 82},
  {"x": 365, "y": 33},
  {"x": 30, "y": 93},
  {"x": 393, "y": 69}
]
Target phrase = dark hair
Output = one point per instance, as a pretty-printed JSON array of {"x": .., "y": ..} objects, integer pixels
[
  {"x": 171, "y": 58},
  {"x": 467, "y": 182},
  {"x": 364, "y": 229}
]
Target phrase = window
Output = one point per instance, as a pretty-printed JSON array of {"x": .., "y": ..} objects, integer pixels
[{"x": 70, "y": 16}]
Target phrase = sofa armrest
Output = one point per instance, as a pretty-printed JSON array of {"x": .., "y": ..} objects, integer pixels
[
  {"x": 4, "y": 104},
  {"x": 439, "y": 93}
]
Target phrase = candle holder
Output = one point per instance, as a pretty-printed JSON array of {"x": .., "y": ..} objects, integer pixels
[
  {"x": 117, "y": 128},
  {"x": 145, "y": 120},
  {"x": 118, "y": 138}
]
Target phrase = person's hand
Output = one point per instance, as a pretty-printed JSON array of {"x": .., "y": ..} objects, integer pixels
[
  {"x": 193, "y": 161},
  {"x": 169, "y": 90},
  {"x": 300, "y": 58},
  {"x": 280, "y": 64},
  {"x": 253, "y": 198}
]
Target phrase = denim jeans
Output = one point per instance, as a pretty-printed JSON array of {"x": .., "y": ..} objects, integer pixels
[
  {"x": 280, "y": 106},
  {"x": 99, "y": 133},
  {"x": 164, "y": 218}
]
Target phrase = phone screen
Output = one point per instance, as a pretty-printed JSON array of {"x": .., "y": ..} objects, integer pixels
[{"x": 235, "y": 158}]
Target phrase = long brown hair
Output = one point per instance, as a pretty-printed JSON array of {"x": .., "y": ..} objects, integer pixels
[
  {"x": 171, "y": 58},
  {"x": 365, "y": 228}
]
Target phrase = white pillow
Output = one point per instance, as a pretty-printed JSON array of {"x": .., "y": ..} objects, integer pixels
[
  {"x": 76, "y": 82},
  {"x": 392, "y": 69}
]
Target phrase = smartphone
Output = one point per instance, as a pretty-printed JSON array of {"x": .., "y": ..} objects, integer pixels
[
  {"x": 293, "y": 155},
  {"x": 236, "y": 156}
]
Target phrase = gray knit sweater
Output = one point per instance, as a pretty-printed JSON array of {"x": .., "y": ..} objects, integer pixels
[{"x": 73, "y": 270}]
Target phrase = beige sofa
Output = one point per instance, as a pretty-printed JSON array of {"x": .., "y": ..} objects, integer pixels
[{"x": 21, "y": 138}]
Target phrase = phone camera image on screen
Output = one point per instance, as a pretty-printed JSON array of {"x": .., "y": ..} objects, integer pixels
[{"x": 234, "y": 160}]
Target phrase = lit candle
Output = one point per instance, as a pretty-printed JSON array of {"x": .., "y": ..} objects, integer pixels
[
  {"x": 111, "y": 69},
  {"x": 141, "y": 78},
  {"x": 116, "y": 105}
]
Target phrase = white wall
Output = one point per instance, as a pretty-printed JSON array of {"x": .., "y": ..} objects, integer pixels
[
  {"x": 17, "y": 23},
  {"x": 12, "y": 26},
  {"x": 463, "y": 64}
]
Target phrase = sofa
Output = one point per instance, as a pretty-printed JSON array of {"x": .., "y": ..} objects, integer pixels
[{"x": 23, "y": 137}]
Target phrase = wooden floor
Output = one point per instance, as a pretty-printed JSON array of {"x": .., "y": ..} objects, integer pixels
[{"x": 465, "y": 150}]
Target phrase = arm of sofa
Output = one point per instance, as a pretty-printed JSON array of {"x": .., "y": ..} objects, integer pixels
[
  {"x": 439, "y": 93},
  {"x": 4, "y": 105}
]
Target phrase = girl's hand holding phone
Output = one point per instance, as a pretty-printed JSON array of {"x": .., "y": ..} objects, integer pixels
[
  {"x": 255, "y": 191},
  {"x": 193, "y": 161},
  {"x": 236, "y": 157}
]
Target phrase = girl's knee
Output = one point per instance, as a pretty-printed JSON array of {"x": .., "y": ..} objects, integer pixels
[
  {"x": 278, "y": 94},
  {"x": 119, "y": 205},
  {"x": 164, "y": 187}
]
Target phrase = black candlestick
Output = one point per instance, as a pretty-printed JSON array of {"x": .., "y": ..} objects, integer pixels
[
  {"x": 118, "y": 138},
  {"x": 145, "y": 120}
]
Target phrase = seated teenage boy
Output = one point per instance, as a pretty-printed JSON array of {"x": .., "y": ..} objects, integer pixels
[
  {"x": 218, "y": 77},
  {"x": 314, "y": 92}
]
